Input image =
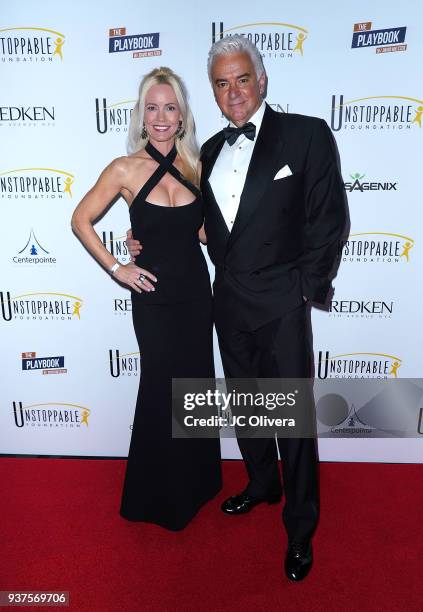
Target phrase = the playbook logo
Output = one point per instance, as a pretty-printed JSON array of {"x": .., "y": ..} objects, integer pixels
[
  {"x": 45, "y": 365},
  {"x": 140, "y": 45},
  {"x": 358, "y": 365},
  {"x": 36, "y": 183},
  {"x": 376, "y": 113},
  {"x": 361, "y": 183},
  {"x": 361, "y": 309},
  {"x": 34, "y": 253},
  {"x": 40, "y": 306},
  {"x": 124, "y": 364},
  {"x": 387, "y": 40},
  {"x": 113, "y": 117},
  {"x": 376, "y": 247},
  {"x": 51, "y": 415},
  {"x": 29, "y": 44},
  {"x": 273, "y": 39}
]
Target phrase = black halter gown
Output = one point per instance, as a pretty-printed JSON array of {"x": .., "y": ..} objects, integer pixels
[{"x": 168, "y": 479}]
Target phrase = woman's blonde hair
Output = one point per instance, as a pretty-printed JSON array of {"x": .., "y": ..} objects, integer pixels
[{"x": 187, "y": 146}]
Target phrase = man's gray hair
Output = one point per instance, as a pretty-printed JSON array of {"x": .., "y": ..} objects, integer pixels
[{"x": 235, "y": 44}]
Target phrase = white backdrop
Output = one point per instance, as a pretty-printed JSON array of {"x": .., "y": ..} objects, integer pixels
[{"x": 64, "y": 110}]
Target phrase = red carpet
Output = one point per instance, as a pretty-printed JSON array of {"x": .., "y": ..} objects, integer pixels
[{"x": 60, "y": 529}]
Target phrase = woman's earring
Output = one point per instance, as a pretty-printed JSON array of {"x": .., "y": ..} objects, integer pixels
[
  {"x": 143, "y": 132},
  {"x": 180, "y": 132}
]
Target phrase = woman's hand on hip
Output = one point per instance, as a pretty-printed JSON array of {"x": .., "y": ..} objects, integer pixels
[{"x": 135, "y": 277}]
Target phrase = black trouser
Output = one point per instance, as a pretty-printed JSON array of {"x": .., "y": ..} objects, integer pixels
[{"x": 279, "y": 349}]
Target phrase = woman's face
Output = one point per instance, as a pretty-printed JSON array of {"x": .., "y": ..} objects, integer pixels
[{"x": 161, "y": 113}]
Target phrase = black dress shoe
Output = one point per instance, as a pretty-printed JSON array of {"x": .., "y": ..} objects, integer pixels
[
  {"x": 299, "y": 559},
  {"x": 243, "y": 503}
]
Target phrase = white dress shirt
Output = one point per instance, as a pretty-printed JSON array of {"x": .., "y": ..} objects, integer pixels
[{"x": 230, "y": 170}]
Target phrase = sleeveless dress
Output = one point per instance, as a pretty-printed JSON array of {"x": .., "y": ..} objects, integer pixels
[{"x": 168, "y": 479}]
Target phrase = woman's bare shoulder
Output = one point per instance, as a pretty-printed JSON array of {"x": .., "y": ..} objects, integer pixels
[{"x": 127, "y": 164}]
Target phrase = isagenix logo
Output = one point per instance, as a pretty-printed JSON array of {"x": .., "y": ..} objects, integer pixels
[{"x": 358, "y": 184}]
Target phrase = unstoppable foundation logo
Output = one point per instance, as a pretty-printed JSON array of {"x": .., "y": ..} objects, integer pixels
[
  {"x": 140, "y": 45},
  {"x": 357, "y": 365},
  {"x": 376, "y": 247},
  {"x": 28, "y": 44},
  {"x": 36, "y": 183},
  {"x": 116, "y": 245},
  {"x": 113, "y": 118},
  {"x": 124, "y": 364},
  {"x": 51, "y": 415},
  {"x": 40, "y": 306},
  {"x": 385, "y": 41},
  {"x": 275, "y": 40},
  {"x": 375, "y": 113}
]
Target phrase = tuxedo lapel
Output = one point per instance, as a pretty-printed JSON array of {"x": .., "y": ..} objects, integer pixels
[
  {"x": 209, "y": 157},
  {"x": 261, "y": 170},
  {"x": 212, "y": 209}
]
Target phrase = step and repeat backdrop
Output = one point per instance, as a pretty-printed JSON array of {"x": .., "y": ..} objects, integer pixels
[{"x": 69, "y": 74}]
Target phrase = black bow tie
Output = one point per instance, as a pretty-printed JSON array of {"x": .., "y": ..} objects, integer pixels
[{"x": 231, "y": 133}]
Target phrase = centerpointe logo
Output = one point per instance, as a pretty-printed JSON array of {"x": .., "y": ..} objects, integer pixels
[
  {"x": 361, "y": 309},
  {"x": 47, "y": 365},
  {"x": 113, "y": 117},
  {"x": 375, "y": 247},
  {"x": 51, "y": 414},
  {"x": 122, "y": 306},
  {"x": 29, "y": 44},
  {"x": 385, "y": 41},
  {"x": 40, "y": 306},
  {"x": 141, "y": 45},
  {"x": 358, "y": 184},
  {"x": 27, "y": 116},
  {"x": 334, "y": 412},
  {"x": 116, "y": 246},
  {"x": 394, "y": 113},
  {"x": 127, "y": 364},
  {"x": 358, "y": 365},
  {"x": 273, "y": 39},
  {"x": 34, "y": 183},
  {"x": 33, "y": 253}
]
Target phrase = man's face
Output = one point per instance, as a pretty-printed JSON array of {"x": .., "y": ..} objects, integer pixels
[{"x": 236, "y": 88}]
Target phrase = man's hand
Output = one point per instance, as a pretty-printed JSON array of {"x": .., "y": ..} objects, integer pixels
[
  {"x": 129, "y": 274},
  {"x": 134, "y": 246}
]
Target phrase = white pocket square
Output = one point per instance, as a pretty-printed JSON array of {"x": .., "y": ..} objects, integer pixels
[{"x": 283, "y": 172}]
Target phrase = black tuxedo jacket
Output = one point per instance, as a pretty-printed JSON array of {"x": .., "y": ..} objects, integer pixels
[{"x": 285, "y": 237}]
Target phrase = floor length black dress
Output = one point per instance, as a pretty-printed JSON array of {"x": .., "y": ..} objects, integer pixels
[{"x": 168, "y": 479}]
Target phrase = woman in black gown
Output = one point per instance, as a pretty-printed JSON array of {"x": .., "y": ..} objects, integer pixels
[{"x": 167, "y": 479}]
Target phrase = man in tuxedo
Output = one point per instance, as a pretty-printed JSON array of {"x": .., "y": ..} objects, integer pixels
[{"x": 274, "y": 214}]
